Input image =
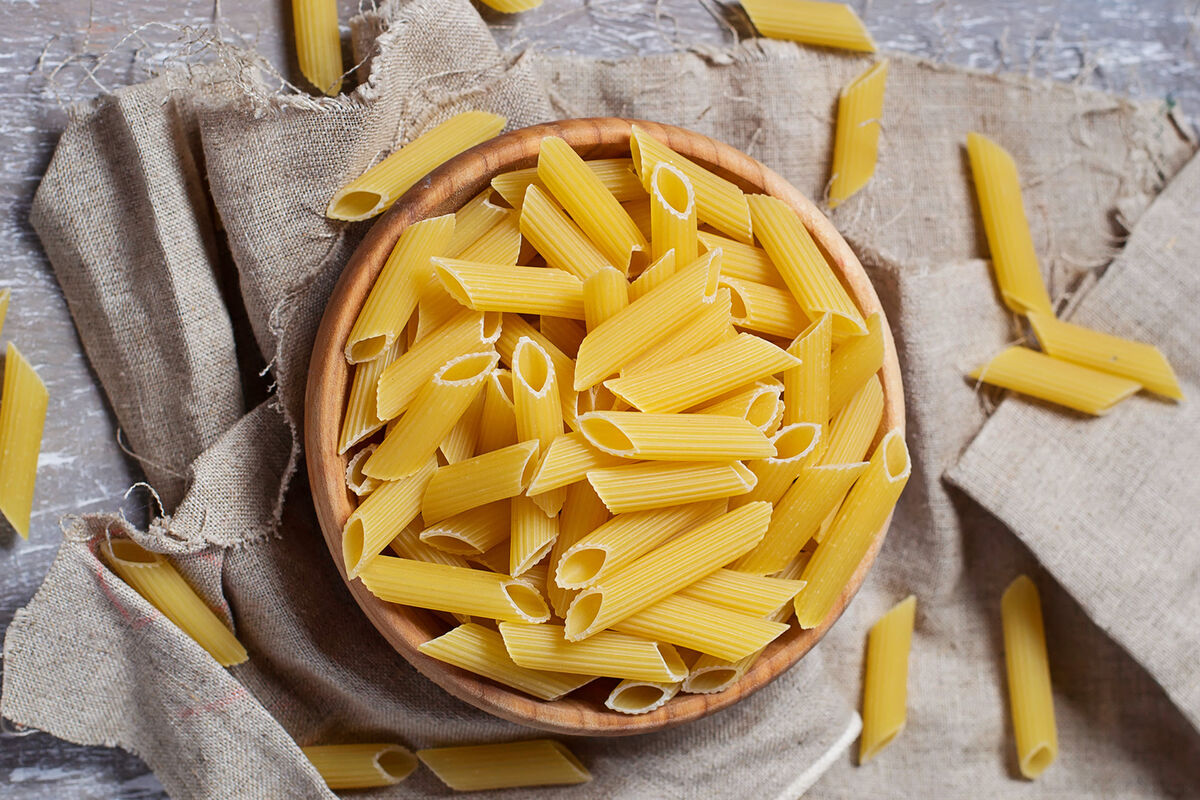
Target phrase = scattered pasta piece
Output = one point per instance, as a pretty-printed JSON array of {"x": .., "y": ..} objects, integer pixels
[
  {"x": 885, "y": 689},
  {"x": 1030, "y": 696},
  {"x": 361, "y": 766},
  {"x": 23, "y": 402},
  {"x": 1061, "y": 382},
  {"x": 538, "y": 762},
  {"x": 319, "y": 43},
  {"x": 856, "y": 140},
  {"x": 810, "y": 22}
]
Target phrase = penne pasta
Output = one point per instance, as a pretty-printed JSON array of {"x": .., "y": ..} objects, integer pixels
[
  {"x": 472, "y": 221},
  {"x": 639, "y": 211},
  {"x": 640, "y": 697},
  {"x": 567, "y": 461},
  {"x": 154, "y": 577},
  {"x": 653, "y": 276},
  {"x": 557, "y": 238},
  {"x": 538, "y": 762},
  {"x": 460, "y": 443},
  {"x": 742, "y": 262},
  {"x": 1030, "y": 697},
  {"x": 1061, "y": 382},
  {"x": 516, "y": 327},
  {"x": 1014, "y": 259},
  {"x": 394, "y": 295},
  {"x": 705, "y": 327},
  {"x": 719, "y": 202},
  {"x": 385, "y": 513},
  {"x": 616, "y": 174},
  {"x": 459, "y": 591},
  {"x": 1124, "y": 358},
  {"x": 361, "y": 766},
  {"x": 582, "y": 513},
  {"x": 795, "y": 447},
  {"x": 802, "y": 266},
  {"x": 498, "y": 422},
  {"x": 533, "y": 534},
  {"x": 854, "y": 362},
  {"x": 566, "y": 334},
  {"x": 885, "y": 688},
  {"x": 479, "y": 650},
  {"x": 472, "y": 532},
  {"x": 642, "y": 486},
  {"x": 754, "y": 595},
  {"x": 408, "y": 544},
  {"x": 702, "y": 626},
  {"x": 674, "y": 437},
  {"x": 483, "y": 479},
  {"x": 23, "y": 403},
  {"x": 855, "y": 527},
  {"x": 499, "y": 244},
  {"x": 605, "y": 293},
  {"x": 519, "y": 290},
  {"x": 319, "y": 44},
  {"x": 356, "y": 481},
  {"x": 855, "y": 426},
  {"x": 811, "y": 22},
  {"x": 759, "y": 405},
  {"x": 608, "y": 653},
  {"x": 711, "y": 675},
  {"x": 765, "y": 309},
  {"x": 375, "y": 190},
  {"x": 856, "y": 140},
  {"x": 806, "y": 387},
  {"x": 362, "y": 413},
  {"x": 538, "y": 407},
  {"x": 665, "y": 570},
  {"x": 672, "y": 214}
]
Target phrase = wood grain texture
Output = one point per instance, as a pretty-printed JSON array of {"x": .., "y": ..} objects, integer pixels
[{"x": 441, "y": 192}]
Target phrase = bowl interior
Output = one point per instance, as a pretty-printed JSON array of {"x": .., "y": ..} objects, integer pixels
[{"x": 444, "y": 191}]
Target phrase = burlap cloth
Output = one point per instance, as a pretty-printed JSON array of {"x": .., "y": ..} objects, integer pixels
[{"x": 148, "y": 188}]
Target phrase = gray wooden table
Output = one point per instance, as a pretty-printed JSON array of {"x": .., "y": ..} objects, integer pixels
[{"x": 54, "y": 54}]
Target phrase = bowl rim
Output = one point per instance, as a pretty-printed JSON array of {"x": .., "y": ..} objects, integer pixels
[{"x": 441, "y": 191}]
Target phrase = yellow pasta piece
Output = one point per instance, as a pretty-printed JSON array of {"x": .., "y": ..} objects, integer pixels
[
  {"x": 538, "y": 407},
  {"x": 362, "y": 413},
  {"x": 640, "y": 697},
  {"x": 665, "y": 570},
  {"x": 608, "y": 653},
  {"x": 885, "y": 688},
  {"x": 498, "y": 423},
  {"x": 639, "y": 211},
  {"x": 375, "y": 190},
  {"x": 759, "y": 405},
  {"x": 433, "y": 413},
  {"x": 674, "y": 437},
  {"x": 672, "y": 214},
  {"x": 803, "y": 268},
  {"x": 605, "y": 293},
  {"x": 765, "y": 309},
  {"x": 511, "y": 6},
  {"x": 154, "y": 577},
  {"x": 23, "y": 403},
  {"x": 1014, "y": 259},
  {"x": 719, "y": 202},
  {"x": 1030, "y": 697},
  {"x": 435, "y": 307},
  {"x": 538, "y": 762},
  {"x": 566, "y": 334},
  {"x": 817, "y": 492},
  {"x": 811, "y": 22},
  {"x": 582, "y": 512},
  {"x": 642, "y": 486},
  {"x": 515, "y": 327},
  {"x": 5, "y": 294},
  {"x": 557, "y": 238},
  {"x": 362, "y": 485},
  {"x": 460, "y": 591},
  {"x": 1125, "y": 358},
  {"x": 854, "y": 362},
  {"x": 705, "y": 627},
  {"x": 653, "y": 276},
  {"x": 319, "y": 43},
  {"x": 408, "y": 544},
  {"x": 1061, "y": 382},
  {"x": 856, "y": 142},
  {"x": 707, "y": 325},
  {"x": 754, "y": 595},
  {"x": 533, "y": 534},
  {"x": 568, "y": 460},
  {"x": 500, "y": 244},
  {"x": 806, "y": 387},
  {"x": 641, "y": 324},
  {"x": 855, "y": 527},
  {"x": 479, "y": 650},
  {"x": 472, "y": 221},
  {"x": 520, "y": 290},
  {"x": 589, "y": 202},
  {"x": 385, "y": 512},
  {"x": 397, "y": 288},
  {"x": 711, "y": 675},
  {"x": 616, "y": 174},
  {"x": 361, "y": 766},
  {"x": 703, "y": 376},
  {"x": 742, "y": 262},
  {"x": 855, "y": 426},
  {"x": 625, "y": 538},
  {"x": 472, "y": 532},
  {"x": 795, "y": 447},
  {"x": 483, "y": 479},
  {"x": 459, "y": 444}
]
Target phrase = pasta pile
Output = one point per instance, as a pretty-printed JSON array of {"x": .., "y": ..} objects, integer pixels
[
  {"x": 614, "y": 419},
  {"x": 23, "y": 402}
]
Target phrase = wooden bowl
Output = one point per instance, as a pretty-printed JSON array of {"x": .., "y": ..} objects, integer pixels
[{"x": 445, "y": 190}]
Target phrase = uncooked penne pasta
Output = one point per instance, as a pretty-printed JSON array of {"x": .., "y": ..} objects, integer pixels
[
  {"x": 710, "y": 675},
  {"x": 855, "y": 426},
  {"x": 520, "y": 290},
  {"x": 639, "y": 211},
  {"x": 395, "y": 292},
  {"x": 803, "y": 267},
  {"x": 361, "y": 766},
  {"x": 472, "y": 532},
  {"x": 536, "y": 399},
  {"x": 806, "y": 387},
  {"x": 483, "y": 479},
  {"x": 856, "y": 140},
  {"x": 583, "y": 512},
  {"x": 719, "y": 202},
  {"x": 765, "y": 309},
  {"x": 605, "y": 293},
  {"x": 755, "y": 595},
  {"x": 386, "y": 511},
  {"x": 538, "y": 762},
  {"x": 702, "y": 626},
  {"x": 154, "y": 577},
  {"x": 1014, "y": 259},
  {"x": 459, "y": 591},
  {"x": 672, "y": 214},
  {"x": 557, "y": 238},
  {"x": 362, "y": 413},
  {"x": 708, "y": 324},
  {"x": 516, "y": 327},
  {"x": 23, "y": 403},
  {"x": 431, "y": 416},
  {"x": 665, "y": 570},
  {"x": 479, "y": 650},
  {"x": 511, "y": 6},
  {"x": 435, "y": 307},
  {"x": 653, "y": 276},
  {"x": 642, "y": 486},
  {"x": 1030, "y": 697},
  {"x": 567, "y": 461},
  {"x": 362, "y": 485},
  {"x": 811, "y": 22},
  {"x": 742, "y": 262},
  {"x": 319, "y": 43},
  {"x": 854, "y": 529},
  {"x": 758, "y": 404},
  {"x": 1125, "y": 358},
  {"x": 375, "y": 190},
  {"x": 885, "y": 688},
  {"x": 640, "y": 697},
  {"x": 567, "y": 334},
  {"x": 674, "y": 437},
  {"x": 533, "y": 534},
  {"x": 607, "y": 653},
  {"x": 1061, "y": 382},
  {"x": 472, "y": 221},
  {"x": 459, "y": 444},
  {"x": 499, "y": 244},
  {"x": 589, "y": 202},
  {"x": 795, "y": 446},
  {"x": 703, "y": 376},
  {"x": 498, "y": 422},
  {"x": 854, "y": 362},
  {"x": 408, "y": 544},
  {"x": 616, "y": 174}
]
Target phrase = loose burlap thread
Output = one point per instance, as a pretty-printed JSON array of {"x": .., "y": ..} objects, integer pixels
[{"x": 90, "y": 661}]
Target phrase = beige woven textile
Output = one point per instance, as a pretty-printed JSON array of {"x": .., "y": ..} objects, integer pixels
[{"x": 147, "y": 184}]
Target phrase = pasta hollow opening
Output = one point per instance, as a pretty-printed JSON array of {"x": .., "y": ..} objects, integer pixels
[
  {"x": 492, "y": 322},
  {"x": 796, "y": 441},
  {"x": 527, "y": 601},
  {"x": 606, "y": 435},
  {"x": 450, "y": 543},
  {"x": 638, "y": 698},
  {"x": 1036, "y": 762},
  {"x": 352, "y": 544},
  {"x": 876, "y": 748},
  {"x": 581, "y": 566},
  {"x": 672, "y": 660},
  {"x": 583, "y": 613},
  {"x": 357, "y": 204},
  {"x": 748, "y": 478},
  {"x": 368, "y": 349},
  {"x": 738, "y": 309},
  {"x": 674, "y": 189},
  {"x": 533, "y": 365},
  {"x": 569, "y": 756},
  {"x": 762, "y": 411},
  {"x": 465, "y": 369},
  {"x": 396, "y": 764},
  {"x": 895, "y": 456},
  {"x": 713, "y": 680},
  {"x": 130, "y": 552}
]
